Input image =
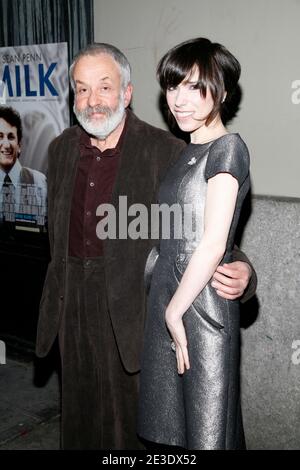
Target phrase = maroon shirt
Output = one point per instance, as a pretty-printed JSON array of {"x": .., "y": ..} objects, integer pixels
[{"x": 95, "y": 178}]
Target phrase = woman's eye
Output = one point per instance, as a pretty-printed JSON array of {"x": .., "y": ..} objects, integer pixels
[{"x": 171, "y": 88}]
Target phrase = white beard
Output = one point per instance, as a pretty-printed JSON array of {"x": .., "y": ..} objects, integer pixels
[{"x": 101, "y": 130}]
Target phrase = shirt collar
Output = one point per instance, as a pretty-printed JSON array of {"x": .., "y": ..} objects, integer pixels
[{"x": 14, "y": 173}]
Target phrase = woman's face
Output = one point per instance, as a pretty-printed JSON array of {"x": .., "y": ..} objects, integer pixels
[{"x": 187, "y": 105}]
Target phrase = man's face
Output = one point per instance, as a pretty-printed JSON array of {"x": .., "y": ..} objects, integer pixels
[
  {"x": 100, "y": 99},
  {"x": 9, "y": 145}
]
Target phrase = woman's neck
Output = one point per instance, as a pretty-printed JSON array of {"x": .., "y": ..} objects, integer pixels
[{"x": 208, "y": 133}]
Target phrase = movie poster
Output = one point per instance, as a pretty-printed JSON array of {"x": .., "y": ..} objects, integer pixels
[{"x": 34, "y": 109}]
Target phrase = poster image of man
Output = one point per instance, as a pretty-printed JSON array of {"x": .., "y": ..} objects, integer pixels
[{"x": 23, "y": 191}]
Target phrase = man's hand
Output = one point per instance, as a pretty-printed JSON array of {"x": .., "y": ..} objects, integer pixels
[{"x": 231, "y": 280}]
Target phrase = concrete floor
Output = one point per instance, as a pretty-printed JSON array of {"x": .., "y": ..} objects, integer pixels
[{"x": 29, "y": 405}]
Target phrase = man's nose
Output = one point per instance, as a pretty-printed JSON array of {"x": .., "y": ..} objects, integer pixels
[
  {"x": 5, "y": 142},
  {"x": 94, "y": 98}
]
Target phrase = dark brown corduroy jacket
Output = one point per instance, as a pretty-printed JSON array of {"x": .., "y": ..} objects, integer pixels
[{"x": 146, "y": 154}]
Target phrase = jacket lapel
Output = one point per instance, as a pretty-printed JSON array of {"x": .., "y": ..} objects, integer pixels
[
  {"x": 132, "y": 179},
  {"x": 68, "y": 167}
]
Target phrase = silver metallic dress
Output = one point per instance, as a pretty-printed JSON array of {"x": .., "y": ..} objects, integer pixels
[{"x": 201, "y": 408}]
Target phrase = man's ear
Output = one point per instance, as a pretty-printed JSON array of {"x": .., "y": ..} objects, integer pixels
[{"x": 128, "y": 94}]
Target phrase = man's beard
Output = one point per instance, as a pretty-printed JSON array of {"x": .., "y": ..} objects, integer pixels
[{"x": 101, "y": 130}]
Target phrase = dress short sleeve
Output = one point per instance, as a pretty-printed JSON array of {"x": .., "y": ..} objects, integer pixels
[{"x": 228, "y": 154}]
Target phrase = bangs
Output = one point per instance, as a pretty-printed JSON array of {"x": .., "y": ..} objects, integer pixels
[{"x": 176, "y": 67}]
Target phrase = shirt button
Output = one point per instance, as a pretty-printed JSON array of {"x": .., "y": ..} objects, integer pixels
[
  {"x": 98, "y": 159},
  {"x": 92, "y": 184},
  {"x": 88, "y": 242},
  {"x": 88, "y": 213}
]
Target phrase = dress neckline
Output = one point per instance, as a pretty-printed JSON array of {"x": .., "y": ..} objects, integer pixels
[{"x": 214, "y": 140}]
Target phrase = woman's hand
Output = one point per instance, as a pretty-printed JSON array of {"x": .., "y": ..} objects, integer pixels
[{"x": 176, "y": 328}]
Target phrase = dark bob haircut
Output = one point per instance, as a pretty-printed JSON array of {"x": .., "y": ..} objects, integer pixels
[
  {"x": 12, "y": 117},
  {"x": 219, "y": 70}
]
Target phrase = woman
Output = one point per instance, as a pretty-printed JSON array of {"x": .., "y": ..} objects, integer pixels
[{"x": 196, "y": 405}]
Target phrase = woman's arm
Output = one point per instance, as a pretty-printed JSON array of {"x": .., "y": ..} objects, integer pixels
[{"x": 221, "y": 197}]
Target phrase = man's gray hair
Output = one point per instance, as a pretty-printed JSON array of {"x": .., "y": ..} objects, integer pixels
[{"x": 103, "y": 48}]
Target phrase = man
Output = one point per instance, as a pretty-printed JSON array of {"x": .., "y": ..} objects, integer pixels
[
  {"x": 94, "y": 296},
  {"x": 23, "y": 191}
]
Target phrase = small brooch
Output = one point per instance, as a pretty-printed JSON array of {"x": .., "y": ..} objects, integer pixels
[{"x": 192, "y": 161}]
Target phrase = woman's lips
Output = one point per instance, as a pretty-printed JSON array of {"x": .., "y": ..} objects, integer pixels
[{"x": 183, "y": 114}]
